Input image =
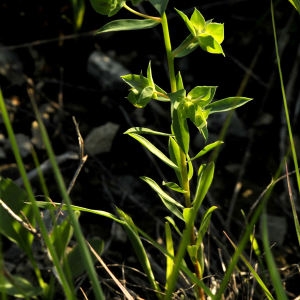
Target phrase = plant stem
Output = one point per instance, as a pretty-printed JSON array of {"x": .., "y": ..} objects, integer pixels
[
  {"x": 137, "y": 13},
  {"x": 185, "y": 180},
  {"x": 170, "y": 57}
]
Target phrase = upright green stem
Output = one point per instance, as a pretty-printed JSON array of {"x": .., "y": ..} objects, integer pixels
[
  {"x": 188, "y": 237},
  {"x": 170, "y": 57}
]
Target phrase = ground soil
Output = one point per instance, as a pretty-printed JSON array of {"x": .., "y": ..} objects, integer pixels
[{"x": 42, "y": 50}]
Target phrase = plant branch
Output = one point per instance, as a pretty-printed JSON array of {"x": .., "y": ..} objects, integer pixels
[{"x": 137, "y": 13}]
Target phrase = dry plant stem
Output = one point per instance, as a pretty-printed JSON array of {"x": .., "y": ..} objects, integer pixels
[
  {"x": 26, "y": 225},
  {"x": 82, "y": 156},
  {"x": 117, "y": 282}
]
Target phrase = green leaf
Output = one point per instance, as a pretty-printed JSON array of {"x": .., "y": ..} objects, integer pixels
[
  {"x": 144, "y": 130},
  {"x": 199, "y": 117},
  {"x": 296, "y": 4},
  {"x": 61, "y": 234},
  {"x": 138, "y": 83},
  {"x": 14, "y": 198},
  {"x": 154, "y": 150},
  {"x": 18, "y": 287},
  {"x": 179, "y": 82},
  {"x": 205, "y": 177},
  {"x": 216, "y": 30},
  {"x": 170, "y": 251},
  {"x": 73, "y": 258},
  {"x": 204, "y": 225},
  {"x": 140, "y": 99},
  {"x": 174, "y": 187},
  {"x": 198, "y": 22},
  {"x": 186, "y": 47},
  {"x": 202, "y": 95},
  {"x": 190, "y": 168},
  {"x": 174, "y": 152},
  {"x": 149, "y": 76},
  {"x": 107, "y": 7},
  {"x": 160, "y": 5},
  {"x": 209, "y": 44},
  {"x": 180, "y": 130},
  {"x": 172, "y": 222},
  {"x": 187, "y": 22},
  {"x": 127, "y": 24},
  {"x": 207, "y": 149},
  {"x": 193, "y": 253},
  {"x": 226, "y": 104},
  {"x": 171, "y": 204},
  {"x": 138, "y": 247}
]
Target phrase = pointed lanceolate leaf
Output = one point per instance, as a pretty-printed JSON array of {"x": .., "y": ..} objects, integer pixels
[
  {"x": 174, "y": 152},
  {"x": 226, "y": 104},
  {"x": 154, "y": 150},
  {"x": 181, "y": 130},
  {"x": 171, "y": 204},
  {"x": 128, "y": 24},
  {"x": 174, "y": 186},
  {"x": 205, "y": 177},
  {"x": 207, "y": 148},
  {"x": 204, "y": 225},
  {"x": 132, "y": 231},
  {"x": 144, "y": 130}
]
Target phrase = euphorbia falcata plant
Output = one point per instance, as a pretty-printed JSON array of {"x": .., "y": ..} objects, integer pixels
[{"x": 186, "y": 106}]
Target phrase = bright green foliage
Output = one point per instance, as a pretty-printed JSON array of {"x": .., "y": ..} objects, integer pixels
[
  {"x": 296, "y": 4},
  {"x": 143, "y": 89},
  {"x": 186, "y": 107},
  {"x": 127, "y": 24},
  {"x": 206, "y": 34}
]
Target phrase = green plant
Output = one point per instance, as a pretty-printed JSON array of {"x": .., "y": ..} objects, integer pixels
[
  {"x": 188, "y": 220},
  {"x": 20, "y": 215},
  {"x": 187, "y": 108}
]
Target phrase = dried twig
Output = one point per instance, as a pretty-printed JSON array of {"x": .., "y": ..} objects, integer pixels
[{"x": 25, "y": 224}]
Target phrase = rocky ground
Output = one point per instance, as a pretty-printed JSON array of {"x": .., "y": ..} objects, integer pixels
[{"x": 76, "y": 74}]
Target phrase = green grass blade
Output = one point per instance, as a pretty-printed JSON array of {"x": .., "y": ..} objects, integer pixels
[
  {"x": 274, "y": 274},
  {"x": 139, "y": 248},
  {"x": 68, "y": 290},
  {"x": 253, "y": 272},
  {"x": 170, "y": 250},
  {"x": 286, "y": 109},
  {"x": 86, "y": 255},
  {"x": 294, "y": 211}
]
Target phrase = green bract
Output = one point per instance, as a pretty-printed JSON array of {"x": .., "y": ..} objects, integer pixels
[
  {"x": 107, "y": 7},
  {"x": 205, "y": 34},
  {"x": 143, "y": 89}
]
